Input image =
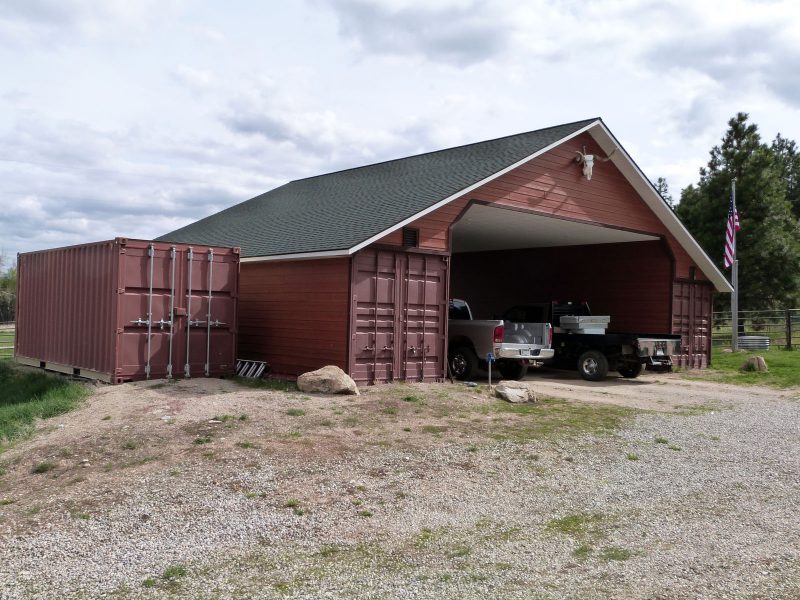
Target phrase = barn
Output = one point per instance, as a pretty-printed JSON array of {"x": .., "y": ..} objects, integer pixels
[{"x": 355, "y": 268}]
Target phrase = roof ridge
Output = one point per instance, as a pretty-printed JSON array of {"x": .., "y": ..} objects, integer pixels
[{"x": 391, "y": 160}]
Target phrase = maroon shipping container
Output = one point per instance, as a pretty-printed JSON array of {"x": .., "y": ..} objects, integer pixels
[{"x": 122, "y": 310}]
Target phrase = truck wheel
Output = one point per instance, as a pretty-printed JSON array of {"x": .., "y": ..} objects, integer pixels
[
  {"x": 593, "y": 365},
  {"x": 463, "y": 363},
  {"x": 631, "y": 370},
  {"x": 512, "y": 369}
]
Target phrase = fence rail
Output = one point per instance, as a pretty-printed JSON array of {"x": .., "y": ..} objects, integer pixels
[{"x": 781, "y": 326}]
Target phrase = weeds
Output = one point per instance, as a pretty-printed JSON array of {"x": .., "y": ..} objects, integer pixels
[
  {"x": 28, "y": 396},
  {"x": 43, "y": 467},
  {"x": 199, "y": 441},
  {"x": 660, "y": 440},
  {"x": 614, "y": 553},
  {"x": 632, "y": 456},
  {"x": 278, "y": 385},
  {"x": 295, "y": 412}
]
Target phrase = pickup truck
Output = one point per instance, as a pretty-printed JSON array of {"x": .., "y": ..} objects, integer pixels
[
  {"x": 515, "y": 346},
  {"x": 580, "y": 341}
]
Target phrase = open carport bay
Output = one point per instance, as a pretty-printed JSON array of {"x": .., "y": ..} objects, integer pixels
[{"x": 502, "y": 258}]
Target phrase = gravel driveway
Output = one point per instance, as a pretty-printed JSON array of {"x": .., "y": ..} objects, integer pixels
[{"x": 658, "y": 488}]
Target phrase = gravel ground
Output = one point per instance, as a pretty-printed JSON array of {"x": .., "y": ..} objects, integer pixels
[{"x": 698, "y": 501}]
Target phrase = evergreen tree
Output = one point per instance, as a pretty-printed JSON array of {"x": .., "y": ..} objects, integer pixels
[
  {"x": 788, "y": 158},
  {"x": 662, "y": 187},
  {"x": 768, "y": 246}
]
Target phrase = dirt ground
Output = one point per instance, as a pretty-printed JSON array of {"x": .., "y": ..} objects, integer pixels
[{"x": 263, "y": 493}]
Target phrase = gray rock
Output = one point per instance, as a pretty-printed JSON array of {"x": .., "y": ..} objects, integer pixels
[
  {"x": 754, "y": 363},
  {"x": 514, "y": 391},
  {"x": 327, "y": 380}
]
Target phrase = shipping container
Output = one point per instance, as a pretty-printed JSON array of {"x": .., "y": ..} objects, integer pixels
[{"x": 123, "y": 310}]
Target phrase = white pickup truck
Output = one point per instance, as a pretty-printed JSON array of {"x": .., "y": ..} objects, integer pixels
[{"x": 515, "y": 346}]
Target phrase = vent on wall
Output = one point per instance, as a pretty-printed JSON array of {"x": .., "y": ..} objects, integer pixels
[{"x": 410, "y": 238}]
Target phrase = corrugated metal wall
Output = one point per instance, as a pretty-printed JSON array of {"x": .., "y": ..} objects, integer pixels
[
  {"x": 85, "y": 309},
  {"x": 398, "y": 316},
  {"x": 691, "y": 308}
]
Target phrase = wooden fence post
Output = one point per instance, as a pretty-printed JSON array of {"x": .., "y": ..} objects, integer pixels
[{"x": 788, "y": 329}]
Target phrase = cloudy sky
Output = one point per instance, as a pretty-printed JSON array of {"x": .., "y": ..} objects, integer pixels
[{"x": 133, "y": 118}]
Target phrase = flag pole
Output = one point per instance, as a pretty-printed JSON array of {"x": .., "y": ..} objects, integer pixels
[{"x": 734, "y": 283}]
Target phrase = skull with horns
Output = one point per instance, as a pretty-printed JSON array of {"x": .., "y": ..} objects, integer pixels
[{"x": 587, "y": 160}]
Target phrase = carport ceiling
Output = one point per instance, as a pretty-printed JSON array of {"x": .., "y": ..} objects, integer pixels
[{"x": 484, "y": 228}]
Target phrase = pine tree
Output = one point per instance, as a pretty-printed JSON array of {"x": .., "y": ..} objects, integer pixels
[
  {"x": 662, "y": 187},
  {"x": 768, "y": 246}
]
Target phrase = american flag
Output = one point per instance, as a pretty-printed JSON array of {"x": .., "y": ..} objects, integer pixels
[{"x": 732, "y": 226}]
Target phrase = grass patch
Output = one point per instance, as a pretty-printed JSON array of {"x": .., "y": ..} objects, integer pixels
[
  {"x": 295, "y": 412},
  {"x": 291, "y": 503},
  {"x": 174, "y": 572},
  {"x": 246, "y": 445},
  {"x": 576, "y": 525},
  {"x": 410, "y": 399},
  {"x": 434, "y": 429},
  {"x": 365, "y": 513},
  {"x": 43, "y": 467},
  {"x": 583, "y": 551},
  {"x": 199, "y": 441},
  {"x": 30, "y": 395},
  {"x": 279, "y": 385},
  {"x": 556, "y": 418},
  {"x": 660, "y": 440},
  {"x": 614, "y": 553},
  {"x": 632, "y": 456},
  {"x": 130, "y": 445},
  {"x": 784, "y": 368}
]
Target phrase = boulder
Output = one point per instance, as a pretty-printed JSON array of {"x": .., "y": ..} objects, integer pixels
[
  {"x": 514, "y": 391},
  {"x": 754, "y": 363},
  {"x": 327, "y": 380}
]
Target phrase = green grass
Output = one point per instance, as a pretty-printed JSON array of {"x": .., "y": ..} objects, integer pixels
[
  {"x": 280, "y": 385},
  {"x": 784, "y": 368},
  {"x": 29, "y": 395},
  {"x": 557, "y": 418},
  {"x": 295, "y": 412},
  {"x": 7, "y": 343}
]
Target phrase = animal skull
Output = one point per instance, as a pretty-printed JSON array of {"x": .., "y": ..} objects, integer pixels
[
  {"x": 588, "y": 164},
  {"x": 587, "y": 160}
]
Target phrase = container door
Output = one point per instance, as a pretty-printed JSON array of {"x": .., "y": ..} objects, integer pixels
[
  {"x": 691, "y": 318},
  {"x": 398, "y": 316},
  {"x": 374, "y": 320},
  {"x": 146, "y": 288},
  {"x": 424, "y": 305},
  {"x": 205, "y": 336}
]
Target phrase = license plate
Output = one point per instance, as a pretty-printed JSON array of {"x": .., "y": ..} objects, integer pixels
[{"x": 525, "y": 352}]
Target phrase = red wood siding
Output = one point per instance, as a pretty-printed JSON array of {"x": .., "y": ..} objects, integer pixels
[
  {"x": 552, "y": 184},
  {"x": 294, "y": 314},
  {"x": 630, "y": 281}
]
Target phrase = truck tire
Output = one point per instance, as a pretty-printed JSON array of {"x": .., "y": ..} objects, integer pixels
[
  {"x": 630, "y": 370},
  {"x": 593, "y": 365},
  {"x": 463, "y": 363},
  {"x": 512, "y": 369}
]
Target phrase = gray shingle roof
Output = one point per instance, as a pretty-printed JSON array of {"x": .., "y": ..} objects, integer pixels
[{"x": 339, "y": 210}]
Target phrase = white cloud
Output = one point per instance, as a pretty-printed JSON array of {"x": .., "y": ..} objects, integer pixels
[{"x": 134, "y": 119}]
